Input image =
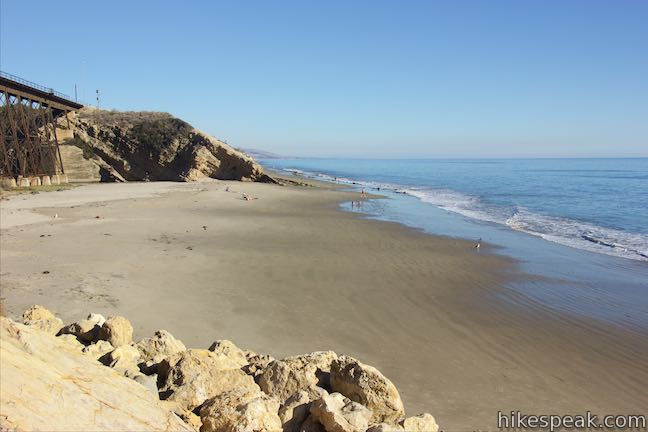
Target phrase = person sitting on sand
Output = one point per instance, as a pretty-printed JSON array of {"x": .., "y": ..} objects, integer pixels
[{"x": 247, "y": 197}]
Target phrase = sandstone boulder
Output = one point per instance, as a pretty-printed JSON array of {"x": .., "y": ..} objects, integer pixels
[
  {"x": 124, "y": 358},
  {"x": 97, "y": 349},
  {"x": 321, "y": 360},
  {"x": 366, "y": 385},
  {"x": 185, "y": 415},
  {"x": 71, "y": 341},
  {"x": 86, "y": 330},
  {"x": 249, "y": 354},
  {"x": 422, "y": 422},
  {"x": 193, "y": 376},
  {"x": 283, "y": 378},
  {"x": 191, "y": 419},
  {"x": 148, "y": 381},
  {"x": 311, "y": 425},
  {"x": 257, "y": 364},
  {"x": 49, "y": 385},
  {"x": 42, "y": 319},
  {"x": 296, "y": 408},
  {"x": 384, "y": 427},
  {"x": 340, "y": 414},
  {"x": 155, "y": 349},
  {"x": 117, "y": 330},
  {"x": 240, "y": 410},
  {"x": 294, "y": 411},
  {"x": 227, "y": 348}
]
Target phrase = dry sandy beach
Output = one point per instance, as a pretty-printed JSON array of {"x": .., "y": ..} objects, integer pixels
[{"x": 289, "y": 273}]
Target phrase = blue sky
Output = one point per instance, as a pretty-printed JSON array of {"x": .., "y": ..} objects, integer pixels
[{"x": 356, "y": 78}]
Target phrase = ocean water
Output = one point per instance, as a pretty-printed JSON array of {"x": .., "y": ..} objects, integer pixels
[{"x": 580, "y": 225}]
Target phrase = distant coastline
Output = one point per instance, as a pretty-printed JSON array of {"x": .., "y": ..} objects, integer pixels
[{"x": 261, "y": 154}]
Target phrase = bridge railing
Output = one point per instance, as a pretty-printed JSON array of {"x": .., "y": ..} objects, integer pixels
[{"x": 33, "y": 85}]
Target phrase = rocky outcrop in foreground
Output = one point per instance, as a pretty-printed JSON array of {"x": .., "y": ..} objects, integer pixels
[
  {"x": 93, "y": 376},
  {"x": 139, "y": 146}
]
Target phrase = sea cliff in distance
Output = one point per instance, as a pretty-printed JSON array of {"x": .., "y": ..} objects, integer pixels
[{"x": 261, "y": 154}]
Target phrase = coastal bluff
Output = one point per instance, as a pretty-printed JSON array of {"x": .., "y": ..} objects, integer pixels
[
  {"x": 91, "y": 375},
  {"x": 101, "y": 145}
]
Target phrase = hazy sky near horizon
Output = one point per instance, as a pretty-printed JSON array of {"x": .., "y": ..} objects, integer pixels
[{"x": 356, "y": 78}]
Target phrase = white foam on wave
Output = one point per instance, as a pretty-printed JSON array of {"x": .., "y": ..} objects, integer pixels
[
  {"x": 568, "y": 232},
  {"x": 455, "y": 202},
  {"x": 581, "y": 235},
  {"x": 296, "y": 171},
  {"x": 334, "y": 179}
]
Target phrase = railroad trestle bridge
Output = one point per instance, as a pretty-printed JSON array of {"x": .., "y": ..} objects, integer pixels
[{"x": 29, "y": 146}]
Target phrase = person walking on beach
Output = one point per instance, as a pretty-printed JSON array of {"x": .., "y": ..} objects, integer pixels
[{"x": 363, "y": 194}]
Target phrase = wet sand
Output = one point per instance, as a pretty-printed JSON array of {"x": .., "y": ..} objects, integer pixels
[{"x": 290, "y": 273}]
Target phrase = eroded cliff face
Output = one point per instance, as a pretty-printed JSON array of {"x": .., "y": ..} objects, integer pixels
[{"x": 136, "y": 146}]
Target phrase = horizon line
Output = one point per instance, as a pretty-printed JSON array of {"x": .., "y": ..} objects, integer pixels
[{"x": 450, "y": 157}]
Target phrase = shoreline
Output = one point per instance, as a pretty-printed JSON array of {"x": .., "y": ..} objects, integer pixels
[
  {"x": 411, "y": 191},
  {"x": 292, "y": 272},
  {"x": 579, "y": 282}
]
